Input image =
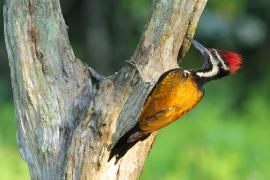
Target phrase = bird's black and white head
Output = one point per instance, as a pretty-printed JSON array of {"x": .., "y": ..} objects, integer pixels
[{"x": 215, "y": 63}]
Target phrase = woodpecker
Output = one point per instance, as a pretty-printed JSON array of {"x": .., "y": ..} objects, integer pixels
[{"x": 176, "y": 92}]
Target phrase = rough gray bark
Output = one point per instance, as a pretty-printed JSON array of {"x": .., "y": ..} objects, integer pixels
[{"x": 67, "y": 114}]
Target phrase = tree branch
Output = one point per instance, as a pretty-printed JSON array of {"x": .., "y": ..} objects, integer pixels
[
  {"x": 46, "y": 79},
  {"x": 67, "y": 114}
]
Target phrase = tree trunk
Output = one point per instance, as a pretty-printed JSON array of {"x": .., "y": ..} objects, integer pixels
[{"x": 69, "y": 116}]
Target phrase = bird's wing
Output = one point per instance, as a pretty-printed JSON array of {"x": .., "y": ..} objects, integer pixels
[{"x": 174, "y": 94}]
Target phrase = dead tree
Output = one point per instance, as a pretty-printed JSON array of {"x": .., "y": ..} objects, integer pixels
[{"x": 68, "y": 115}]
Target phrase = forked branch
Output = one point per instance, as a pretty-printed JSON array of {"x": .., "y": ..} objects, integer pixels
[{"x": 68, "y": 115}]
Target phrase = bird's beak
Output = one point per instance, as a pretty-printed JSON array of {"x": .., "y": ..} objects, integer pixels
[{"x": 197, "y": 45}]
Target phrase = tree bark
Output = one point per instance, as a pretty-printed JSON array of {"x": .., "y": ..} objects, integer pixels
[{"x": 68, "y": 115}]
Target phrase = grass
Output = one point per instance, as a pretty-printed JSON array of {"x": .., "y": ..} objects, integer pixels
[{"x": 12, "y": 167}]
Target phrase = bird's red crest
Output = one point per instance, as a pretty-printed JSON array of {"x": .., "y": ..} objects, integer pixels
[{"x": 232, "y": 59}]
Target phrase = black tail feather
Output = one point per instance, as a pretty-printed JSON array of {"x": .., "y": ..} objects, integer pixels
[{"x": 126, "y": 142}]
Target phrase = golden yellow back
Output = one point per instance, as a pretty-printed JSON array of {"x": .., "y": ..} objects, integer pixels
[{"x": 174, "y": 95}]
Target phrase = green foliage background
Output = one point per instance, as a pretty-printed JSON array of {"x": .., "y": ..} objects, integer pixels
[{"x": 225, "y": 137}]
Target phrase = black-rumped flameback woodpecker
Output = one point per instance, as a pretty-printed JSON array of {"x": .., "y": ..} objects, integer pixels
[{"x": 176, "y": 92}]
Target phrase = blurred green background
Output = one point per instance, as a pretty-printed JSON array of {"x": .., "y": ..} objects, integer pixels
[{"x": 225, "y": 137}]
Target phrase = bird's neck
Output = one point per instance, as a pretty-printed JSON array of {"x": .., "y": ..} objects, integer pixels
[{"x": 209, "y": 71}]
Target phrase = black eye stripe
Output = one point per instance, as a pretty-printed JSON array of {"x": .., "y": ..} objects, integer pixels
[
  {"x": 214, "y": 54},
  {"x": 218, "y": 58},
  {"x": 221, "y": 61}
]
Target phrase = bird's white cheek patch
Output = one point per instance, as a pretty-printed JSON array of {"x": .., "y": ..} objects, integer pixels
[{"x": 212, "y": 72}]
